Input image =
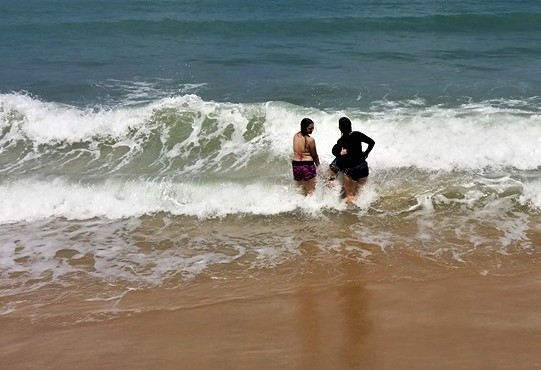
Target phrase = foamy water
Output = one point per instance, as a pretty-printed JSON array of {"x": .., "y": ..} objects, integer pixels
[
  {"x": 134, "y": 196},
  {"x": 187, "y": 156}
]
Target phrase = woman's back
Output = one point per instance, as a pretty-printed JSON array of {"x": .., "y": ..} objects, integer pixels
[{"x": 301, "y": 147}]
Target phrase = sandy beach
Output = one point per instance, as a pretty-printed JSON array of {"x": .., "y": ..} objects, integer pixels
[{"x": 458, "y": 322}]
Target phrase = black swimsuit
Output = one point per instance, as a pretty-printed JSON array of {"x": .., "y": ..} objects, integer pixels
[{"x": 354, "y": 162}]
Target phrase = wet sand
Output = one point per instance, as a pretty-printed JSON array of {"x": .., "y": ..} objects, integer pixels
[{"x": 458, "y": 322}]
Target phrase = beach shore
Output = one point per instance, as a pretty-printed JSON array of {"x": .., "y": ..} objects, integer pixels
[{"x": 458, "y": 322}]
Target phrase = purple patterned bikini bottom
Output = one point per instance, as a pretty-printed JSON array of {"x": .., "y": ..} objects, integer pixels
[{"x": 304, "y": 170}]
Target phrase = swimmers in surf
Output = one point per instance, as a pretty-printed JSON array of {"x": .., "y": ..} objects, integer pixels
[
  {"x": 305, "y": 158},
  {"x": 351, "y": 159}
]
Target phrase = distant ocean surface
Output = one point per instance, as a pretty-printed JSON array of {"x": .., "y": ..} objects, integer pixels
[
  {"x": 143, "y": 142},
  {"x": 339, "y": 55}
]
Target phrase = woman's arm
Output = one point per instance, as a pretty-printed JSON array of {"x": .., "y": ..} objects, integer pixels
[
  {"x": 370, "y": 143},
  {"x": 313, "y": 151},
  {"x": 337, "y": 148}
]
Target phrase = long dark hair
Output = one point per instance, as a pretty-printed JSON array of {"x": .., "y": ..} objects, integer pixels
[
  {"x": 304, "y": 126},
  {"x": 344, "y": 124}
]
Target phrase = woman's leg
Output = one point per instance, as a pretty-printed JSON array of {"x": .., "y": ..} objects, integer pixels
[
  {"x": 309, "y": 186},
  {"x": 351, "y": 187}
]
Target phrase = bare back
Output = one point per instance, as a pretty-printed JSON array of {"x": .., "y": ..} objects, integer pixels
[{"x": 302, "y": 147}]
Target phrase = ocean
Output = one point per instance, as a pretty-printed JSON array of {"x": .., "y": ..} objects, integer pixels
[{"x": 146, "y": 145}]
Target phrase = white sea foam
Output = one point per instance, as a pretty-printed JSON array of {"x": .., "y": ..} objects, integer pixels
[
  {"x": 223, "y": 139},
  {"x": 471, "y": 136},
  {"x": 48, "y": 123},
  {"x": 31, "y": 200},
  {"x": 532, "y": 194}
]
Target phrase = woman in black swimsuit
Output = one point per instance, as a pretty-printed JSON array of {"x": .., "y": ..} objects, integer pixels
[{"x": 350, "y": 157}]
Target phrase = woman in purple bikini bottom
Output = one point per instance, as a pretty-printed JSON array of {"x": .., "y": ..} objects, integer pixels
[{"x": 305, "y": 158}]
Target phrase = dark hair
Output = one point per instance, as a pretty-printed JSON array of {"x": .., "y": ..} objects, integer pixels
[
  {"x": 344, "y": 124},
  {"x": 304, "y": 126}
]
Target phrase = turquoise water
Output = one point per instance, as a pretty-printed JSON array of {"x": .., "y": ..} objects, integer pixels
[{"x": 309, "y": 53}]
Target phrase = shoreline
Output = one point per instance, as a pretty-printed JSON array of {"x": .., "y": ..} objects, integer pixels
[{"x": 481, "y": 322}]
